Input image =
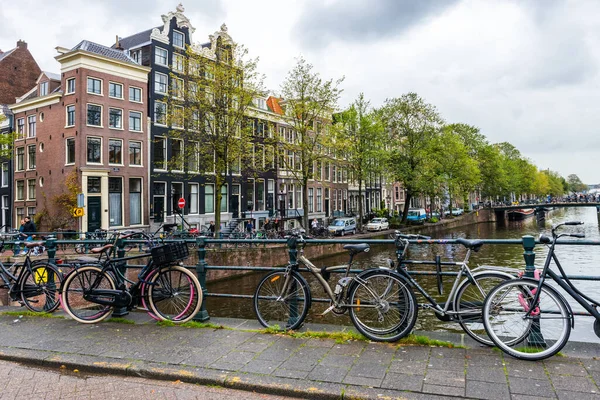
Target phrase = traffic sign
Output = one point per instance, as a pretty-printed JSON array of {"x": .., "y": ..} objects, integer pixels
[
  {"x": 181, "y": 203},
  {"x": 78, "y": 212}
]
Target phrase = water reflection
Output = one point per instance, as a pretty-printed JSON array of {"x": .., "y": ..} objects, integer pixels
[{"x": 577, "y": 260}]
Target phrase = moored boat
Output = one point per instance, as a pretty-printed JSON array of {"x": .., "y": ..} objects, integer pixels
[{"x": 520, "y": 214}]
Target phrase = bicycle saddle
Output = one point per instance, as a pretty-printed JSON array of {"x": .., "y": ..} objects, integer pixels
[
  {"x": 474, "y": 245},
  {"x": 97, "y": 250},
  {"x": 31, "y": 245},
  {"x": 357, "y": 248}
]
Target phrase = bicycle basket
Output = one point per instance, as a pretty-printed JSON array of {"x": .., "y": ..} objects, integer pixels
[{"x": 169, "y": 253}]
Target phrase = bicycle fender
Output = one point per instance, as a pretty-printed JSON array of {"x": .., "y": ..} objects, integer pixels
[{"x": 558, "y": 294}]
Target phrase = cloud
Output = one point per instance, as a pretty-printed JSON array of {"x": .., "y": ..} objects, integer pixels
[{"x": 352, "y": 20}]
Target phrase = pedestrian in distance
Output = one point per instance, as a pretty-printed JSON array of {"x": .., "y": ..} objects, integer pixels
[
  {"x": 249, "y": 226},
  {"x": 211, "y": 228}
]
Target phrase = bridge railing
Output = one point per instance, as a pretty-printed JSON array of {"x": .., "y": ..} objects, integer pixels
[{"x": 201, "y": 245}]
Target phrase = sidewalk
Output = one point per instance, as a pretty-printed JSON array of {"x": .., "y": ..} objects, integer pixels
[{"x": 278, "y": 364}]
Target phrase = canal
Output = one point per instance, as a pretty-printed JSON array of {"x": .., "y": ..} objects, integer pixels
[{"x": 577, "y": 260}]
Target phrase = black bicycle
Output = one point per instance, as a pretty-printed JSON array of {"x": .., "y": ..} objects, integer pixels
[
  {"x": 529, "y": 319},
  {"x": 168, "y": 291},
  {"x": 34, "y": 284}
]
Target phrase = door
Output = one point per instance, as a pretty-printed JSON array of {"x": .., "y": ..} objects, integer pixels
[
  {"x": 159, "y": 208},
  {"x": 94, "y": 213},
  {"x": 234, "y": 201}
]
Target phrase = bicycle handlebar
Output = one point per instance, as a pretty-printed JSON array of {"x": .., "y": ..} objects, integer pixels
[
  {"x": 411, "y": 236},
  {"x": 573, "y": 223}
]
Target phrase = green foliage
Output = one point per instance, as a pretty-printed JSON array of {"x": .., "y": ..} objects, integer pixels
[
  {"x": 575, "y": 185},
  {"x": 119, "y": 320}
]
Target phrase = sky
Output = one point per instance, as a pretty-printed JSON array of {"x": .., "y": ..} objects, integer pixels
[{"x": 523, "y": 71}]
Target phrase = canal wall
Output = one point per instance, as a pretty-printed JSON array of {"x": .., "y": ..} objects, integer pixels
[{"x": 277, "y": 255}]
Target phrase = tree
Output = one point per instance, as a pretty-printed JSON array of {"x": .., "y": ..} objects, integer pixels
[
  {"x": 6, "y": 142},
  {"x": 575, "y": 184},
  {"x": 411, "y": 124},
  {"x": 308, "y": 103},
  {"x": 359, "y": 137},
  {"x": 207, "y": 110}
]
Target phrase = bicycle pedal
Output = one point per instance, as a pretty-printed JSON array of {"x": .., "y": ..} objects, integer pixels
[{"x": 328, "y": 310}]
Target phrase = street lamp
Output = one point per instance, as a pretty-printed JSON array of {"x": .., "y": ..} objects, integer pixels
[{"x": 389, "y": 204}]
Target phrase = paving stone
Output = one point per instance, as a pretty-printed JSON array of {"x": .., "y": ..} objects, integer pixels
[
  {"x": 525, "y": 369},
  {"x": 447, "y": 352},
  {"x": 408, "y": 367},
  {"x": 328, "y": 374},
  {"x": 484, "y": 361},
  {"x": 368, "y": 369},
  {"x": 487, "y": 390},
  {"x": 526, "y": 397},
  {"x": 532, "y": 387},
  {"x": 261, "y": 367},
  {"x": 444, "y": 390},
  {"x": 446, "y": 363},
  {"x": 574, "y": 383},
  {"x": 363, "y": 381},
  {"x": 567, "y": 395},
  {"x": 326, "y": 343},
  {"x": 338, "y": 361},
  {"x": 413, "y": 353},
  {"x": 561, "y": 368},
  {"x": 350, "y": 349},
  {"x": 445, "y": 378},
  {"x": 403, "y": 382},
  {"x": 486, "y": 374},
  {"x": 299, "y": 363},
  {"x": 290, "y": 373}
]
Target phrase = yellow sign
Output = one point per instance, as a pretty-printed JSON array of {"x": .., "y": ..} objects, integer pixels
[
  {"x": 78, "y": 212},
  {"x": 40, "y": 275}
]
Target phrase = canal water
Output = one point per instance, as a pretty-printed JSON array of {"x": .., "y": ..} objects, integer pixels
[{"x": 577, "y": 260}]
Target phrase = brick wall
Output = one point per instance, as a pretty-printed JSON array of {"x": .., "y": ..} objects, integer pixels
[{"x": 18, "y": 73}]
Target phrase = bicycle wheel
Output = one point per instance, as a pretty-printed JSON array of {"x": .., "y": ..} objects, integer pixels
[
  {"x": 174, "y": 294},
  {"x": 40, "y": 287},
  {"x": 535, "y": 337},
  {"x": 383, "y": 307},
  {"x": 282, "y": 300},
  {"x": 83, "y": 279},
  {"x": 469, "y": 301}
]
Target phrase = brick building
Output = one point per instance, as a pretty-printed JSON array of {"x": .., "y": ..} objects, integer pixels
[
  {"x": 88, "y": 124},
  {"x": 18, "y": 72}
]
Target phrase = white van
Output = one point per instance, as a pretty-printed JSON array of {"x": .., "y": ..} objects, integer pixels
[{"x": 416, "y": 215}]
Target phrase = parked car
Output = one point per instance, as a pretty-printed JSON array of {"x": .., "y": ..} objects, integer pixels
[
  {"x": 416, "y": 215},
  {"x": 455, "y": 212},
  {"x": 378, "y": 224},
  {"x": 342, "y": 226}
]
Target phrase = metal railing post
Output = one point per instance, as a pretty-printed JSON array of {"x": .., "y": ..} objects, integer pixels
[
  {"x": 51, "y": 249},
  {"x": 122, "y": 270},
  {"x": 51, "y": 282},
  {"x": 292, "y": 244},
  {"x": 535, "y": 334},
  {"x": 202, "y": 315}
]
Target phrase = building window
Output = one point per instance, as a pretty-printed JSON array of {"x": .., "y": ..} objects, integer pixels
[
  {"x": 71, "y": 151},
  {"x": 178, "y": 88},
  {"x": 31, "y": 212},
  {"x": 260, "y": 195},
  {"x": 161, "y": 56},
  {"x": 115, "y": 90},
  {"x": 135, "y": 121},
  {"x": 223, "y": 198},
  {"x": 31, "y": 189},
  {"x": 20, "y": 158},
  {"x": 115, "y": 206},
  {"x": 178, "y": 62},
  {"x": 178, "y": 39},
  {"x": 160, "y": 113},
  {"x": 160, "y": 156},
  {"x": 158, "y": 201},
  {"x": 192, "y": 157},
  {"x": 177, "y": 154},
  {"x": 310, "y": 199},
  {"x": 71, "y": 115},
  {"x": 135, "y": 201},
  {"x": 177, "y": 191},
  {"x": 135, "y": 153},
  {"x": 177, "y": 121},
  {"x": 43, "y": 88},
  {"x": 70, "y": 85},
  {"x": 20, "y": 127},
  {"x": 115, "y": 118},
  {"x": 193, "y": 198},
  {"x": 94, "y": 115},
  {"x": 5, "y": 174},
  {"x": 135, "y": 94},
  {"x": 31, "y": 123},
  {"x": 161, "y": 83},
  {"x": 94, "y": 86},
  {"x": 209, "y": 199},
  {"x": 115, "y": 151},
  {"x": 93, "y": 184},
  {"x": 20, "y": 214},
  {"x": 94, "y": 150},
  {"x": 136, "y": 56},
  {"x": 31, "y": 157},
  {"x": 319, "y": 200},
  {"x": 20, "y": 190}
]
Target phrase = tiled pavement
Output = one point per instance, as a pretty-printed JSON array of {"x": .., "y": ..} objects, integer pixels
[{"x": 307, "y": 368}]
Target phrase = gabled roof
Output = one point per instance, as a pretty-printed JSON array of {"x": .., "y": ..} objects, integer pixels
[
  {"x": 137, "y": 39},
  {"x": 6, "y": 54},
  {"x": 99, "y": 49},
  {"x": 51, "y": 75},
  {"x": 273, "y": 104}
]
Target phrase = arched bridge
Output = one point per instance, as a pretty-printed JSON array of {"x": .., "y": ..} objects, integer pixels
[{"x": 544, "y": 205}]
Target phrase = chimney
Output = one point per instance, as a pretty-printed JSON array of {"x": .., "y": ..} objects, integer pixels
[
  {"x": 118, "y": 43},
  {"x": 22, "y": 44}
]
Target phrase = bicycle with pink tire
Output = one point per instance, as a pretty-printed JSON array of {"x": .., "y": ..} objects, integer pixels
[{"x": 165, "y": 289}]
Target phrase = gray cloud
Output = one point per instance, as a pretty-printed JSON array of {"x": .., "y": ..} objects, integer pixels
[{"x": 363, "y": 20}]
